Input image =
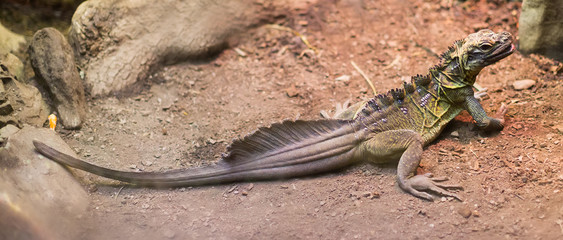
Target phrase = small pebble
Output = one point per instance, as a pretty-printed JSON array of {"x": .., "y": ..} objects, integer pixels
[
  {"x": 455, "y": 134},
  {"x": 464, "y": 212},
  {"x": 375, "y": 194},
  {"x": 523, "y": 84},
  {"x": 292, "y": 91},
  {"x": 92, "y": 188},
  {"x": 344, "y": 78},
  {"x": 169, "y": 234}
]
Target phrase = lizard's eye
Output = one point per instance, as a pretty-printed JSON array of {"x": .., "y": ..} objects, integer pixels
[{"x": 485, "y": 46}]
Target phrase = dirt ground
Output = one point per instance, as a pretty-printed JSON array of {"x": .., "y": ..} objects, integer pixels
[{"x": 188, "y": 113}]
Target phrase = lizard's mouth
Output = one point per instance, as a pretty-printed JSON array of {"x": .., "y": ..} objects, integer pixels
[{"x": 501, "y": 52}]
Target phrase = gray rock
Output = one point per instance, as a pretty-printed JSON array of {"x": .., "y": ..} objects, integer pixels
[
  {"x": 38, "y": 196},
  {"x": 6, "y": 132},
  {"x": 20, "y": 103},
  {"x": 10, "y": 42},
  {"x": 523, "y": 84},
  {"x": 15, "y": 65},
  {"x": 541, "y": 29},
  {"x": 53, "y": 63}
]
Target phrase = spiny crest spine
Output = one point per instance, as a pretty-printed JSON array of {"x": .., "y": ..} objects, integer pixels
[
  {"x": 420, "y": 80},
  {"x": 398, "y": 94},
  {"x": 370, "y": 107},
  {"x": 409, "y": 88},
  {"x": 447, "y": 56},
  {"x": 373, "y": 104},
  {"x": 385, "y": 100}
]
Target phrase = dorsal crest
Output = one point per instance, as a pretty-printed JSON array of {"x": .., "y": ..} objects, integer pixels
[
  {"x": 385, "y": 100},
  {"x": 278, "y": 137},
  {"x": 409, "y": 88},
  {"x": 449, "y": 54},
  {"x": 398, "y": 95},
  {"x": 421, "y": 80}
]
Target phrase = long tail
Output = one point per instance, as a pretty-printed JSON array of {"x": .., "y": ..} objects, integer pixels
[{"x": 284, "y": 150}]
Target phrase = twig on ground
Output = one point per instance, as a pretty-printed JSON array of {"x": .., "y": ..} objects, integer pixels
[
  {"x": 393, "y": 63},
  {"x": 296, "y": 33},
  {"x": 118, "y": 192},
  {"x": 364, "y": 76}
]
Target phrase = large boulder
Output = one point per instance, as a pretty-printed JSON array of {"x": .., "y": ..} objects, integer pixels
[
  {"x": 20, "y": 103},
  {"x": 39, "y": 199},
  {"x": 118, "y": 42},
  {"x": 10, "y": 42},
  {"x": 541, "y": 28},
  {"x": 53, "y": 62}
]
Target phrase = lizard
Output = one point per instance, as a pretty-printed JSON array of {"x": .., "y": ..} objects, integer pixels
[{"x": 392, "y": 126}]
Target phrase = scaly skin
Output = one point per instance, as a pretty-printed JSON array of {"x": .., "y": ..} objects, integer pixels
[{"x": 391, "y": 126}]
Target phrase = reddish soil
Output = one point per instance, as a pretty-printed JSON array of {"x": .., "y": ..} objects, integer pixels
[{"x": 188, "y": 114}]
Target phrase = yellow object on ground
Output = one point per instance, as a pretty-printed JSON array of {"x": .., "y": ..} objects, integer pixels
[{"x": 52, "y": 121}]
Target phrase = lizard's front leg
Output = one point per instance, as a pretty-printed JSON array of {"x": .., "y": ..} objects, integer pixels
[
  {"x": 485, "y": 122},
  {"x": 407, "y": 145}
]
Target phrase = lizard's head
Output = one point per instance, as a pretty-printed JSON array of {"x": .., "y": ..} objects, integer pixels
[
  {"x": 484, "y": 48},
  {"x": 469, "y": 56}
]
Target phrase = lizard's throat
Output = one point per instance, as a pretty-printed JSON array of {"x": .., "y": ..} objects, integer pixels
[{"x": 453, "y": 79}]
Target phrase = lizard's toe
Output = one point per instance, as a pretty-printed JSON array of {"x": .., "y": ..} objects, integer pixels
[
  {"x": 502, "y": 111},
  {"x": 420, "y": 194},
  {"x": 339, "y": 109},
  {"x": 424, "y": 182}
]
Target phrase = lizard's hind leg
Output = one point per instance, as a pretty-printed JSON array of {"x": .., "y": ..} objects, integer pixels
[{"x": 407, "y": 146}]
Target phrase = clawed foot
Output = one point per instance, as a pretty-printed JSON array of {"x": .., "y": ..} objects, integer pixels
[
  {"x": 502, "y": 111},
  {"x": 419, "y": 183},
  {"x": 339, "y": 109}
]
